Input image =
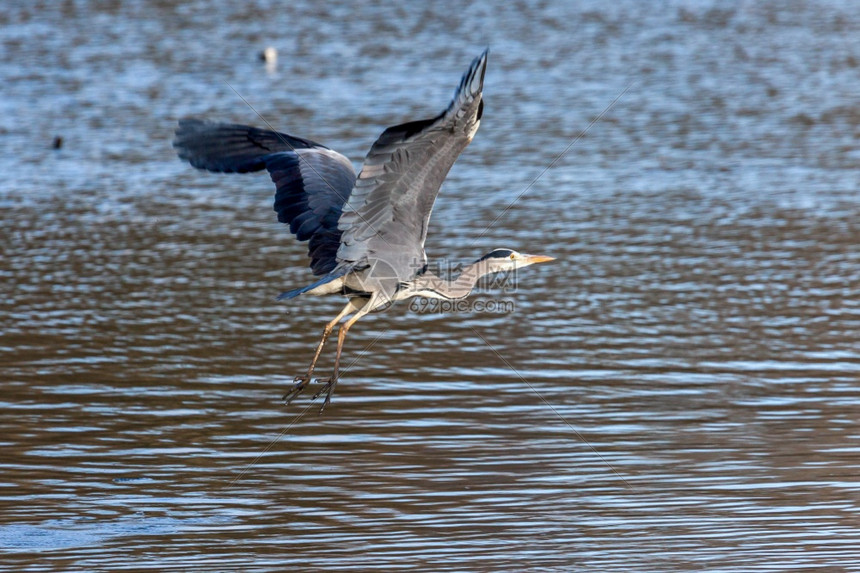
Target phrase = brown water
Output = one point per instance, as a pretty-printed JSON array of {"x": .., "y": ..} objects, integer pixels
[{"x": 679, "y": 391}]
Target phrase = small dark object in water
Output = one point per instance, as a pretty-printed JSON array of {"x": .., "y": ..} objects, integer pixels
[
  {"x": 269, "y": 55},
  {"x": 57, "y": 143}
]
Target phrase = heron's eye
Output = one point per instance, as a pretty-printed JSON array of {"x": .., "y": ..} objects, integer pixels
[{"x": 513, "y": 256}]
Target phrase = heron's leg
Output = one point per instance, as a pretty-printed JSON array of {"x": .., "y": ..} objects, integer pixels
[
  {"x": 328, "y": 389},
  {"x": 302, "y": 381}
]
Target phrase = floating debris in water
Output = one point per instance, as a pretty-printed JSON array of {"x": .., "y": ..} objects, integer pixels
[{"x": 269, "y": 55}]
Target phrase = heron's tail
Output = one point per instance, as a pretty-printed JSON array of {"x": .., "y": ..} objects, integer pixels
[{"x": 329, "y": 279}]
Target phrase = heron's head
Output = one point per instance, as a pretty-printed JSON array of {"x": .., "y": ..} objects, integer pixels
[{"x": 500, "y": 260}]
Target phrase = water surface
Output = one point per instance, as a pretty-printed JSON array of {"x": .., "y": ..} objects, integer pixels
[{"x": 679, "y": 391}]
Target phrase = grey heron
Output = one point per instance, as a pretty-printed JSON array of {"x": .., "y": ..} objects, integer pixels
[{"x": 366, "y": 233}]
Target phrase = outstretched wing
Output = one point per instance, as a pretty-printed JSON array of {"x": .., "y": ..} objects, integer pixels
[
  {"x": 230, "y": 147},
  {"x": 312, "y": 182},
  {"x": 387, "y": 214}
]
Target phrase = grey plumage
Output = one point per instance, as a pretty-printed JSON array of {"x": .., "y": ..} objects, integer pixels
[
  {"x": 312, "y": 182},
  {"x": 348, "y": 221},
  {"x": 230, "y": 147},
  {"x": 366, "y": 234},
  {"x": 389, "y": 209}
]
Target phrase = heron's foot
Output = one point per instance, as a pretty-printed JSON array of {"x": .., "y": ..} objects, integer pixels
[
  {"x": 327, "y": 389},
  {"x": 299, "y": 384}
]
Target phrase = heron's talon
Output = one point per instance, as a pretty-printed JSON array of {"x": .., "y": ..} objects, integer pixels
[
  {"x": 327, "y": 389},
  {"x": 300, "y": 383},
  {"x": 325, "y": 403}
]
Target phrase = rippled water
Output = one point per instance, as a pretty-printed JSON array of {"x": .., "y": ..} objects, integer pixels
[{"x": 679, "y": 391}]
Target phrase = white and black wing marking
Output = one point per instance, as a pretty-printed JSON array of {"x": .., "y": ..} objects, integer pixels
[
  {"x": 387, "y": 214},
  {"x": 312, "y": 182}
]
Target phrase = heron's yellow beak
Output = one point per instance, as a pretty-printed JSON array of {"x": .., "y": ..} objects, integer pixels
[{"x": 532, "y": 259}]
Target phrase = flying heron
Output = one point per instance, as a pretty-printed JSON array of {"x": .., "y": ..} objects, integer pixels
[{"x": 366, "y": 234}]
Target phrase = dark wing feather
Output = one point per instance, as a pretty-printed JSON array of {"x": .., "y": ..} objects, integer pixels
[
  {"x": 312, "y": 186},
  {"x": 387, "y": 214},
  {"x": 230, "y": 147},
  {"x": 312, "y": 182}
]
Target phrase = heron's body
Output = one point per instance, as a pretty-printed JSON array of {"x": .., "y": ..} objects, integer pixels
[{"x": 365, "y": 232}]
